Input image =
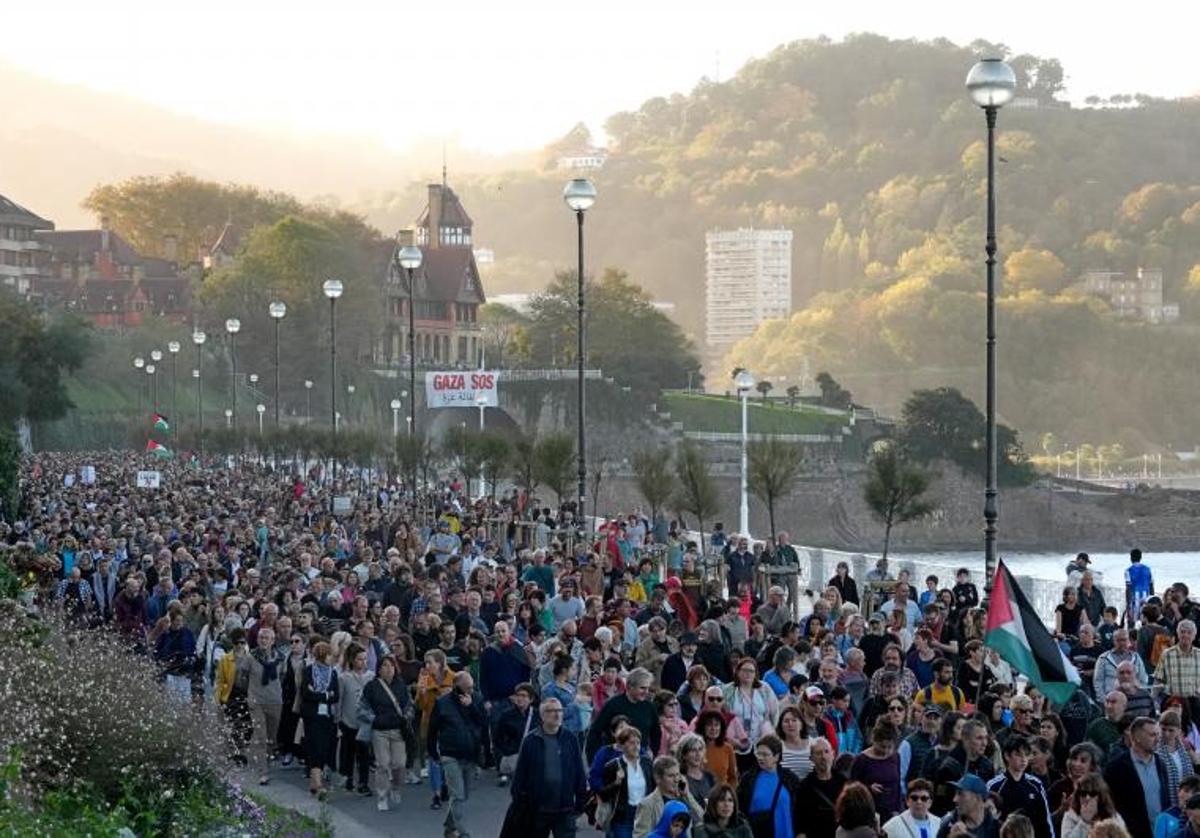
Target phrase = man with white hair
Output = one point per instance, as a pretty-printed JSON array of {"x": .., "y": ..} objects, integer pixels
[
  {"x": 1178, "y": 671},
  {"x": 1105, "y": 679},
  {"x": 774, "y": 612}
]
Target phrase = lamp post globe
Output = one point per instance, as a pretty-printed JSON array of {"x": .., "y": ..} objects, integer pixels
[
  {"x": 991, "y": 83},
  {"x": 410, "y": 257},
  {"x": 139, "y": 362},
  {"x": 579, "y": 194},
  {"x": 149, "y": 369},
  {"x": 332, "y": 288},
  {"x": 395, "y": 404},
  {"x": 253, "y": 378},
  {"x": 233, "y": 325},
  {"x": 173, "y": 347},
  {"x": 195, "y": 373},
  {"x": 198, "y": 337},
  {"x": 277, "y": 310},
  {"x": 156, "y": 355}
]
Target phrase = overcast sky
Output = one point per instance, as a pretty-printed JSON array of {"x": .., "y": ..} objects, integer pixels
[{"x": 499, "y": 76}]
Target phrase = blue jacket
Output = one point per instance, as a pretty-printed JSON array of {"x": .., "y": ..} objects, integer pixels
[
  {"x": 500, "y": 670},
  {"x": 527, "y": 781}
]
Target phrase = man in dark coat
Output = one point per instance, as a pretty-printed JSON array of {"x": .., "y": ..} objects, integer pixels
[
  {"x": 549, "y": 787},
  {"x": 1137, "y": 779}
]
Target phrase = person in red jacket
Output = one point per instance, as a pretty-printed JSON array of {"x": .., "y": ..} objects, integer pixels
[{"x": 685, "y": 612}]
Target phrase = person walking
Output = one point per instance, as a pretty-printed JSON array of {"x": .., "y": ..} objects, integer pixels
[
  {"x": 391, "y": 711},
  {"x": 353, "y": 751},
  {"x": 549, "y": 787},
  {"x": 318, "y": 702},
  {"x": 263, "y": 669},
  {"x": 455, "y": 738}
]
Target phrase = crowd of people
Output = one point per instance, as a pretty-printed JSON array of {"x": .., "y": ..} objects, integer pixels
[{"x": 606, "y": 675}]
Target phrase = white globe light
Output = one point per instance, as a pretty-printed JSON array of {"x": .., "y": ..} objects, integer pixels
[
  {"x": 156, "y": 356},
  {"x": 333, "y": 288},
  {"x": 991, "y": 83},
  {"x": 139, "y": 362},
  {"x": 744, "y": 380},
  {"x": 233, "y": 325},
  {"x": 261, "y": 408},
  {"x": 410, "y": 257},
  {"x": 580, "y": 194},
  {"x": 198, "y": 337},
  {"x": 173, "y": 347},
  {"x": 395, "y": 404},
  {"x": 278, "y": 309},
  {"x": 149, "y": 369}
]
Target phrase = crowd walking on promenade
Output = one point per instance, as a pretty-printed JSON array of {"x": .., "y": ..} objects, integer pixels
[{"x": 616, "y": 676}]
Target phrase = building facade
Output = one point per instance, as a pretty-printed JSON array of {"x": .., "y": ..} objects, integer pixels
[
  {"x": 448, "y": 290},
  {"x": 22, "y": 255},
  {"x": 748, "y": 280},
  {"x": 1138, "y": 297}
]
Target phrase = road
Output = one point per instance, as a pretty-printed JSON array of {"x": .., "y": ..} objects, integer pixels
[{"x": 356, "y": 817}]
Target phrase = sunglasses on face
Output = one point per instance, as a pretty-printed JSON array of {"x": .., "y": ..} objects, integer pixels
[
  {"x": 817, "y": 702},
  {"x": 1089, "y": 794},
  {"x": 920, "y": 797},
  {"x": 715, "y": 699},
  {"x": 898, "y": 708}
]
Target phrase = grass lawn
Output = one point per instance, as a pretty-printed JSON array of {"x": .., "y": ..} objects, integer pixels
[{"x": 715, "y": 414}]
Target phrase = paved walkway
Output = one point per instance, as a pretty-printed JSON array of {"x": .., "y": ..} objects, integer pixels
[{"x": 356, "y": 817}]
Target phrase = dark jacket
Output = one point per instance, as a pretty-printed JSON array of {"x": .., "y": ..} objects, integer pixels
[
  {"x": 1127, "y": 794},
  {"x": 641, "y": 714},
  {"x": 617, "y": 792},
  {"x": 526, "y": 782},
  {"x": 817, "y": 799},
  {"x": 311, "y": 700},
  {"x": 745, "y": 792},
  {"x": 509, "y": 729},
  {"x": 501, "y": 670},
  {"x": 674, "y": 671},
  {"x": 847, "y": 587},
  {"x": 454, "y": 730},
  {"x": 739, "y": 828},
  {"x": 381, "y": 704}
]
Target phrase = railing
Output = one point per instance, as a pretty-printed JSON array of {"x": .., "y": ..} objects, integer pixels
[{"x": 714, "y": 436}]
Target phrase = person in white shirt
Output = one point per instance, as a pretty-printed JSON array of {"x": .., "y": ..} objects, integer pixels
[{"x": 916, "y": 821}]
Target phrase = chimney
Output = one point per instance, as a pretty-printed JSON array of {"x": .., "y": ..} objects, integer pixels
[
  {"x": 170, "y": 244},
  {"x": 435, "y": 215},
  {"x": 104, "y": 234}
]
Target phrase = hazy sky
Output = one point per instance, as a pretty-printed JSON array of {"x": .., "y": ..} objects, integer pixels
[{"x": 501, "y": 75}]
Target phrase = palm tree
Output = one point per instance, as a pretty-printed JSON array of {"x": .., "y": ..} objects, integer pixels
[
  {"x": 764, "y": 387},
  {"x": 793, "y": 394}
]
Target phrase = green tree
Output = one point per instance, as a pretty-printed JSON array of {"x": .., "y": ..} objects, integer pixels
[
  {"x": 461, "y": 445},
  {"x": 944, "y": 424},
  {"x": 764, "y": 387},
  {"x": 1033, "y": 269},
  {"x": 554, "y": 463},
  {"x": 524, "y": 464},
  {"x": 627, "y": 336},
  {"x": 895, "y": 491},
  {"x": 495, "y": 453},
  {"x": 504, "y": 334},
  {"x": 832, "y": 394},
  {"x": 36, "y": 354},
  {"x": 413, "y": 455},
  {"x": 793, "y": 395},
  {"x": 696, "y": 491},
  {"x": 773, "y": 469},
  {"x": 654, "y": 478}
]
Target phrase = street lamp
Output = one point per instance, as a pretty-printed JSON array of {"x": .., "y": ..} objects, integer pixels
[
  {"x": 744, "y": 381},
  {"x": 410, "y": 257},
  {"x": 198, "y": 338},
  {"x": 156, "y": 356},
  {"x": 254, "y": 380},
  {"x": 278, "y": 311},
  {"x": 233, "y": 326},
  {"x": 308, "y": 385},
  {"x": 990, "y": 84},
  {"x": 152, "y": 385},
  {"x": 579, "y": 195},
  {"x": 228, "y": 418},
  {"x": 481, "y": 401},
  {"x": 332, "y": 288},
  {"x": 350, "y": 389},
  {"x": 139, "y": 363},
  {"x": 173, "y": 347},
  {"x": 261, "y": 409},
  {"x": 395, "y": 417}
]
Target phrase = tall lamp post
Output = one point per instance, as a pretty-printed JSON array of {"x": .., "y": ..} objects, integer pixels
[
  {"x": 233, "y": 326},
  {"x": 332, "y": 289},
  {"x": 744, "y": 381},
  {"x": 278, "y": 311},
  {"x": 173, "y": 347},
  {"x": 410, "y": 257},
  {"x": 152, "y": 385},
  {"x": 350, "y": 390},
  {"x": 308, "y": 385},
  {"x": 156, "y": 356},
  {"x": 139, "y": 364},
  {"x": 481, "y": 401},
  {"x": 198, "y": 338},
  {"x": 579, "y": 195},
  {"x": 260, "y": 408},
  {"x": 395, "y": 418},
  {"x": 991, "y": 83}
]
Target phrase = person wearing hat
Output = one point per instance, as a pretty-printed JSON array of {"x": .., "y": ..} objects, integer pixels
[
  {"x": 970, "y": 816},
  {"x": 676, "y": 666}
]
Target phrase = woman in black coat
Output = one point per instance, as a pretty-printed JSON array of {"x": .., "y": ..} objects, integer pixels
[
  {"x": 845, "y": 583},
  {"x": 318, "y": 700},
  {"x": 616, "y": 786}
]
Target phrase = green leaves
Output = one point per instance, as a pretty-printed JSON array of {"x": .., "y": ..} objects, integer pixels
[{"x": 894, "y": 490}]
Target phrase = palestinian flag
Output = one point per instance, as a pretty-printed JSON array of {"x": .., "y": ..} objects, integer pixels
[
  {"x": 1015, "y": 630},
  {"x": 161, "y": 423},
  {"x": 160, "y": 451}
]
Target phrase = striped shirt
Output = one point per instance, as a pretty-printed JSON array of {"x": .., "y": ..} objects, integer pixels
[
  {"x": 797, "y": 760},
  {"x": 1179, "y": 671}
]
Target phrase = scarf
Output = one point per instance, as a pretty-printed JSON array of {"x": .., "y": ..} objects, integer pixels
[
  {"x": 322, "y": 674},
  {"x": 270, "y": 668}
]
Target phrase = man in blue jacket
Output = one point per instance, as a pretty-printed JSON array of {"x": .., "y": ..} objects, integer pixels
[
  {"x": 549, "y": 783},
  {"x": 456, "y": 731}
]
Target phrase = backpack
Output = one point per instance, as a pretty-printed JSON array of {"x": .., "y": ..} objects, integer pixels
[{"x": 1161, "y": 641}]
